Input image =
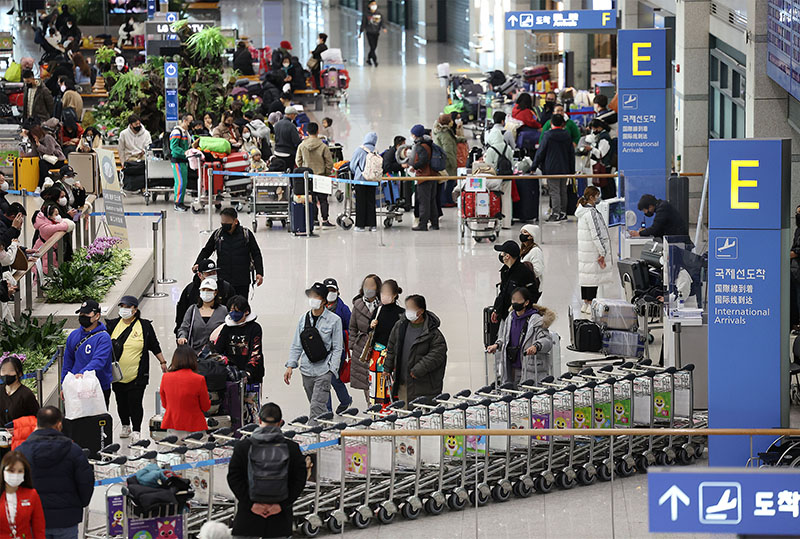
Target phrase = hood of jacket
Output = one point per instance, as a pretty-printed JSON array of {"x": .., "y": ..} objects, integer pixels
[
  {"x": 431, "y": 322},
  {"x": 267, "y": 434},
  {"x": 314, "y": 143},
  {"x": 546, "y": 315},
  {"x": 250, "y": 317},
  {"x": 48, "y": 446},
  {"x": 581, "y": 209},
  {"x": 439, "y": 128},
  {"x": 370, "y": 140},
  {"x": 559, "y": 135}
]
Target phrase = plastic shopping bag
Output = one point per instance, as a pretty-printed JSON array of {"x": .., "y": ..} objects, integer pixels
[{"x": 83, "y": 397}]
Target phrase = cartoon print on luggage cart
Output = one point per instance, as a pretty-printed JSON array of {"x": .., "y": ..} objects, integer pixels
[
  {"x": 622, "y": 412},
  {"x": 661, "y": 404},
  {"x": 454, "y": 446},
  {"x": 356, "y": 459}
]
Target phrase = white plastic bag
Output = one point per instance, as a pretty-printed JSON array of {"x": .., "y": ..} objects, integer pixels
[{"x": 83, "y": 397}]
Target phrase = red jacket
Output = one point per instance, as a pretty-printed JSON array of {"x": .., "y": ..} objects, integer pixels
[
  {"x": 525, "y": 116},
  {"x": 187, "y": 392},
  {"x": 29, "y": 518},
  {"x": 23, "y": 427}
]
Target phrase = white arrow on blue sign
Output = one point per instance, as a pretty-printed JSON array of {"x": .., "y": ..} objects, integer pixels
[{"x": 673, "y": 495}]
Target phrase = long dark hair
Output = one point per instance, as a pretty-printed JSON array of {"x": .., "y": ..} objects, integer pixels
[
  {"x": 16, "y": 363},
  {"x": 524, "y": 101},
  {"x": 12, "y": 457},
  {"x": 527, "y": 246},
  {"x": 361, "y": 290},
  {"x": 590, "y": 192}
]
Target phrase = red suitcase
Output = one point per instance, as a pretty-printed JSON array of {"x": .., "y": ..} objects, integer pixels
[
  {"x": 469, "y": 202},
  {"x": 16, "y": 99},
  {"x": 236, "y": 162},
  {"x": 218, "y": 181}
]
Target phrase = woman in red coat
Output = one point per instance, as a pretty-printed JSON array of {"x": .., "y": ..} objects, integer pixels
[
  {"x": 184, "y": 394},
  {"x": 21, "y": 513}
]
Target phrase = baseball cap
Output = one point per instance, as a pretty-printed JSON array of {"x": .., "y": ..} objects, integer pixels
[
  {"x": 206, "y": 265},
  {"x": 66, "y": 170},
  {"x": 330, "y": 282},
  {"x": 290, "y": 110},
  {"x": 286, "y": 45},
  {"x": 210, "y": 284},
  {"x": 418, "y": 130},
  {"x": 89, "y": 306},
  {"x": 319, "y": 289},
  {"x": 129, "y": 300},
  {"x": 509, "y": 247}
]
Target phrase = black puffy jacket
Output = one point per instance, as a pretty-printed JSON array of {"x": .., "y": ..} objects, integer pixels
[
  {"x": 62, "y": 476},
  {"x": 426, "y": 362}
]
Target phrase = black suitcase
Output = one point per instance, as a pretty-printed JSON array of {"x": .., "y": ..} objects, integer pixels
[
  {"x": 297, "y": 217},
  {"x": 92, "y": 433},
  {"x": 490, "y": 329},
  {"x": 133, "y": 176}
]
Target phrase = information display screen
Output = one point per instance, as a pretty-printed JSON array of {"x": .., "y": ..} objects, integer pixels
[{"x": 783, "y": 44}]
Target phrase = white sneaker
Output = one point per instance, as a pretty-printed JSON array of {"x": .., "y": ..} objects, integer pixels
[
  {"x": 586, "y": 308},
  {"x": 135, "y": 436},
  {"x": 125, "y": 432}
]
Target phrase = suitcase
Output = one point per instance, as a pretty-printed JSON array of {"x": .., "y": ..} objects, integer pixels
[
  {"x": 92, "y": 433},
  {"x": 297, "y": 217},
  {"x": 236, "y": 162},
  {"x": 485, "y": 204},
  {"x": 133, "y": 176},
  {"x": 588, "y": 337},
  {"x": 391, "y": 193},
  {"x": 614, "y": 314},
  {"x": 218, "y": 181},
  {"x": 572, "y": 197},
  {"x": 26, "y": 173},
  {"x": 623, "y": 343},
  {"x": 330, "y": 78},
  {"x": 86, "y": 170},
  {"x": 555, "y": 354},
  {"x": 490, "y": 328}
]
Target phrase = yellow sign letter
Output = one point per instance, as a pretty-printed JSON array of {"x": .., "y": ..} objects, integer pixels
[
  {"x": 640, "y": 58},
  {"x": 606, "y": 17},
  {"x": 737, "y": 184}
]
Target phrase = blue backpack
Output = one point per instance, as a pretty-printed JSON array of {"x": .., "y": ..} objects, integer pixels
[{"x": 438, "y": 158}]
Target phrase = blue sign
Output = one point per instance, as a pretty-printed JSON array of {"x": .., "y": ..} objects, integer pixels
[
  {"x": 642, "y": 130},
  {"x": 748, "y": 293},
  {"x": 642, "y": 58},
  {"x": 764, "y": 501},
  {"x": 561, "y": 21},
  {"x": 172, "y": 16},
  {"x": 151, "y": 9},
  {"x": 171, "y": 92}
]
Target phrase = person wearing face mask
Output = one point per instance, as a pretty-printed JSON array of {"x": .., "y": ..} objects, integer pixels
[
  {"x": 21, "y": 513},
  {"x": 37, "y": 103},
  {"x": 366, "y": 307},
  {"x": 315, "y": 62},
  {"x": 372, "y": 24},
  {"x": 249, "y": 141},
  {"x": 513, "y": 274},
  {"x": 202, "y": 318},
  {"x": 338, "y": 307},
  {"x": 548, "y": 109},
  {"x": 386, "y": 315},
  {"x": 49, "y": 152},
  {"x": 595, "y": 263},
  {"x": 239, "y": 339},
  {"x": 321, "y": 327},
  {"x": 603, "y": 151},
  {"x": 47, "y": 223},
  {"x": 556, "y": 156},
  {"x": 16, "y": 400},
  {"x": 134, "y": 140},
  {"x": 523, "y": 341},
  {"x": 416, "y": 354},
  {"x": 228, "y": 130},
  {"x": 89, "y": 348},
  {"x": 609, "y": 116},
  {"x": 70, "y": 36},
  {"x": 570, "y": 126},
  {"x": 531, "y": 253},
  {"x": 243, "y": 60},
  {"x": 206, "y": 269},
  {"x": 666, "y": 219},
  {"x": 237, "y": 251},
  {"x": 133, "y": 339},
  {"x": 72, "y": 188},
  {"x": 70, "y": 98},
  {"x": 179, "y": 141}
]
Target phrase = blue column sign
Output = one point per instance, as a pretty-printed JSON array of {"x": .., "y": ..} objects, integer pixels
[
  {"x": 562, "y": 21},
  {"x": 748, "y": 296},
  {"x": 171, "y": 93},
  {"x": 643, "y": 144},
  {"x": 151, "y": 9}
]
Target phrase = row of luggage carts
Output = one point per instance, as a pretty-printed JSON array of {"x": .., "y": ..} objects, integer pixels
[{"x": 360, "y": 479}]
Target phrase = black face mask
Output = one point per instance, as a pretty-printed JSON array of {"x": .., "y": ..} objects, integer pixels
[
  {"x": 649, "y": 213},
  {"x": 227, "y": 227},
  {"x": 85, "y": 320},
  {"x": 136, "y": 129},
  {"x": 9, "y": 379},
  {"x": 518, "y": 307},
  {"x": 524, "y": 238},
  {"x": 550, "y": 105},
  {"x": 500, "y": 256}
]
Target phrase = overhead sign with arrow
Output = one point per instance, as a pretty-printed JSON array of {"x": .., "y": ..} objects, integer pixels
[
  {"x": 763, "y": 501},
  {"x": 562, "y": 21}
]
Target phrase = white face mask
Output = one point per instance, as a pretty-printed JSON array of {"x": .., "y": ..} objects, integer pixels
[
  {"x": 125, "y": 312},
  {"x": 57, "y": 219},
  {"x": 246, "y": 135},
  {"x": 411, "y": 314},
  {"x": 207, "y": 295},
  {"x": 314, "y": 303},
  {"x": 13, "y": 479},
  {"x": 373, "y": 8},
  {"x": 4, "y": 186},
  {"x": 63, "y": 88},
  {"x": 62, "y": 201},
  {"x": 213, "y": 277},
  {"x": 69, "y": 180},
  {"x": 370, "y": 293},
  {"x": 332, "y": 296},
  {"x": 286, "y": 66}
]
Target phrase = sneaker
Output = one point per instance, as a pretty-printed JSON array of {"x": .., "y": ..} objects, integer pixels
[
  {"x": 434, "y": 227},
  {"x": 586, "y": 308},
  {"x": 135, "y": 436},
  {"x": 343, "y": 407},
  {"x": 327, "y": 224},
  {"x": 373, "y": 229},
  {"x": 37, "y": 190},
  {"x": 360, "y": 229},
  {"x": 420, "y": 228},
  {"x": 125, "y": 432},
  {"x": 562, "y": 216},
  {"x": 554, "y": 218},
  {"x": 181, "y": 208}
]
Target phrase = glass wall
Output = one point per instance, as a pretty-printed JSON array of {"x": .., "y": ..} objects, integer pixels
[{"x": 726, "y": 91}]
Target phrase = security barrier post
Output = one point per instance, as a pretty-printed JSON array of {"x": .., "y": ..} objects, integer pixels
[
  {"x": 164, "y": 279},
  {"x": 155, "y": 293},
  {"x": 39, "y": 388},
  {"x": 307, "y": 203}
]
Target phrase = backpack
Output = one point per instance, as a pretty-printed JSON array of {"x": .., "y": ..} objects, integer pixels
[
  {"x": 268, "y": 466},
  {"x": 215, "y": 373},
  {"x": 312, "y": 343},
  {"x": 373, "y": 166},
  {"x": 438, "y": 158},
  {"x": 69, "y": 116},
  {"x": 504, "y": 166},
  {"x": 165, "y": 150}
]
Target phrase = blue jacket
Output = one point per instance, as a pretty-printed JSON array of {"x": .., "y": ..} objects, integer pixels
[
  {"x": 95, "y": 354},
  {"x": 330, "y": 329},
  {"x": 359, "y": 159},
  {"x": 343, "y": 312},
  {"x": 61, "y": 475}
]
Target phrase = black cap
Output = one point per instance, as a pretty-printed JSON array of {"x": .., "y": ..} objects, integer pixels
[
  {"x": 511, "y": 247},
  {"x": 206, "y": 265},
  {"x": 66, "y": 170},
  {"x": 319, "y": 289},
  {"x": 133, "y": 301},
  {"x": 89, "y": 306},
  {"x": 330, "y": 282}
]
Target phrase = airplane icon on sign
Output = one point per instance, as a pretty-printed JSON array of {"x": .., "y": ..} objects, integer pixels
[
  {"x": 630, "y": 101},
  {"x": 726, "y": 247}
]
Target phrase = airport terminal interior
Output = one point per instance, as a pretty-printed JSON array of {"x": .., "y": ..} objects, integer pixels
[{"x": 448, "y": 66}]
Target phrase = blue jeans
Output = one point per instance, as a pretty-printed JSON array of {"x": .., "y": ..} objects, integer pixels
[
  {"x": 341, "y": 392},
  {"x": 61, "y": 533}
]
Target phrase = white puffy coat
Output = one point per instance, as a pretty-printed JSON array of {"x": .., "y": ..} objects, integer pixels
[{"x": 593, "y": 241}]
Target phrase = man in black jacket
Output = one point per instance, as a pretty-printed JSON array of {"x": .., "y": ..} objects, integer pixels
[
  {"x": 236, "y": 250},
  {"x": 556, "y": 155},
  {"x": 667, "y": 221},
  {"x": 206, "y": 268},
  {"x": 61, "y": 474},
  {"x": 513, "y": 274},
  {"x": 255, "y": 519},
  {"x": 416, "y": 353}
]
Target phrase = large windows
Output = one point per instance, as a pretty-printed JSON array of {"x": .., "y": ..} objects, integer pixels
[{"x": 726, "y": 91}]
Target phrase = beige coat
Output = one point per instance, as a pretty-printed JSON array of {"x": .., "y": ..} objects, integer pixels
[
  {"x": 314, "y": 154},
  {"x": 73, "y": 99}
]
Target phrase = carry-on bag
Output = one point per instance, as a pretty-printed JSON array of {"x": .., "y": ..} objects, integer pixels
[
  {"x": 588, "y": 337},
  {"x": 623, "y": 343},
  {"x": 92, "y": 433},
  {"x": 490, "y": 329},
  {"x": 86, "y": 170},
  {"x": 236, "y": 162},
  {"x": 481, "y": 204},
  {"x": 614, "y": 314},
  {"x": 26, "y": 173},
  {"x": 297, "y": 217},
  {"x": 133, "y": 176}
]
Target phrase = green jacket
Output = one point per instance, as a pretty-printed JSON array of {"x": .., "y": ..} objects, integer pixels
[
  {"x": 571, "y": 127},
  {"x": 445, "y": 137},
  {"x": 178, "y": 144}
]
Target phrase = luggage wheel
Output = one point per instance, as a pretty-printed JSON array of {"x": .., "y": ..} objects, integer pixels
[{"x": 388, "y": 222}]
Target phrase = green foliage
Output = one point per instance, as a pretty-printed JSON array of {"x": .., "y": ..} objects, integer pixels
[
  {"x": 28, "y": 333},
  {"x": 90, "y": 273},
  {"x": 86, "y": 12},
  {"x": 206, "y": 44},
  {"x": 104, "y": 56},
  {"x": 128, "y": 86}
]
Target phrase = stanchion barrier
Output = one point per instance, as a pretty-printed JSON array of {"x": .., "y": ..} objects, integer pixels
[
  {"x": 164, "y": 279},
  {"x": 307, "y": 202},
  {"x": 155, "y": 293}
]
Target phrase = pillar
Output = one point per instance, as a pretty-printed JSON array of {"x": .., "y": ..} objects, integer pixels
[
  {"x": 630, "y": 14},
  {"x": 579, "y": 44},
  {"x": 427, "y": 25}
]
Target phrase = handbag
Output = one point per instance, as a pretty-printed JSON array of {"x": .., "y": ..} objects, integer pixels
[
  {"x": 366, "y": 352},
  {"x": 312, "y": 63},
  {"x": 20, "y": 260},
  {"x": 344, "y": 371},
  {"x": 117, "y": 348},
  {"x": 312, "y": 344}
]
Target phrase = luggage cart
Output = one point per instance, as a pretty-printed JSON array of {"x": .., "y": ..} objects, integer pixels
[
  {"x": 481, "y": 214},
  {"x": 158, "y": 178},
  {"x": 388, "y": 207},
  {"x": 270, "y": 199}
]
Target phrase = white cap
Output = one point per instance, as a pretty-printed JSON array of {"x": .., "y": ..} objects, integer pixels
[{"x": 210, "y": 284}]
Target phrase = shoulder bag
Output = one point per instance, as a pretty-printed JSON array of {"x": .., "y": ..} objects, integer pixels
[
  {"x": 366, "y": 352},
  {"x": 312, "y": 343},
  {"x": 117, "y": 348}
]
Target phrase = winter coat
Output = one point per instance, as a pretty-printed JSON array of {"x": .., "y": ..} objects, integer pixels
[
  {"x": 536, "y": 257},
  {"x": 315, "y": 154},
  {"x": 422, "y": 152},
  {"x": 536, "y": 366},
  {"x": 525, "y": 116},
  {"x": 49, "y": 146},
  {"x": 427, "y": 361},
  {"x": 495, "y": 138},
  {"x": 359, "y": 331},
  {"x": 42, "y": 103},
  {"x": 151, "y": 346},
  {"x": 236, "y": 251},
  {"x": 571, "y": 128},
  {"x": 511, "y": 278},
  {"x": 178, "y": 144},
  {"x": 132, "y": 144},
  {"x": 241, "y": 344},
  {"x": 444, "y": 136},
  {"x": 556, "y": 154},
  {"x": 243, "y": 61},
  {"x": 593, "y": 241},
  {"x": 359, "y": 159},
  {"x": 184, "y": 395},
  {"x": 61, "y": 475},
  {"x": 287, "y": 139},
  {"x": 47, "y": 228},
  {"x": 93, "y": 354},
  {"x": 72, "y": 98},
  {"x": 667, "y": 222},
  {"x": 230, "y": 133}
]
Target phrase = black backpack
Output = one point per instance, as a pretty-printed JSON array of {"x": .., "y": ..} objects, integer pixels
[
  {"x": 312, "y": 342},
  {"x": 69, "y": 116},
  {"x": 268, "y": 466},
  {"x": 504, "y": 166},
  {"x": 588, "y": 337},
  {"x": 609, "y": 159},
  {"x": 215, "y": 373}
]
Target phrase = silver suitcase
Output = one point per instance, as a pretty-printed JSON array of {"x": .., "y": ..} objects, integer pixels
[
  {"x": 86, "y": 170},
  {"x": 614, "y": 314}
]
